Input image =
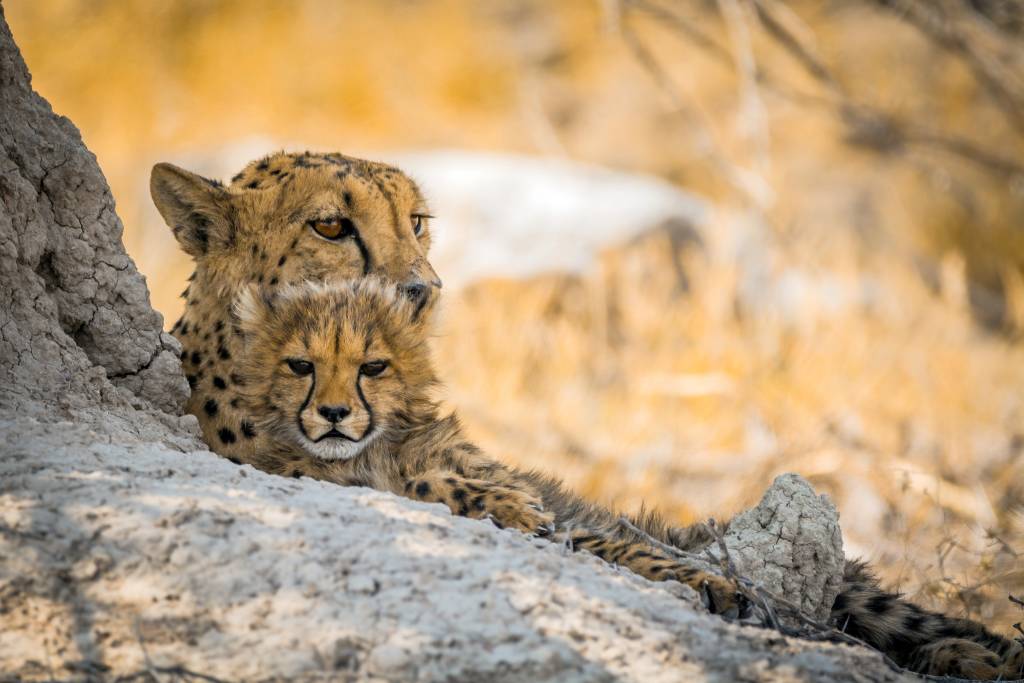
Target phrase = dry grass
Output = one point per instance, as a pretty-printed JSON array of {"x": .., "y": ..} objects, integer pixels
[{"x": 834, "y": 340}]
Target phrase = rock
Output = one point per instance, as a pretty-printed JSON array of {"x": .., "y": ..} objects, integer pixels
[
  {"x": 791, "y": 544},
  {"x": 128, "y": 549},
  {"x": 76, "y": 314},
  {"x": 111, "y": 543}
]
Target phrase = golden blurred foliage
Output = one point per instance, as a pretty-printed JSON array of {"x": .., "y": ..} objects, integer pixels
[{"x": 872, "y": 147}]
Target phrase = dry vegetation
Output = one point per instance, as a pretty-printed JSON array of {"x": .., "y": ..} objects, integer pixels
[{"x": 864, "y": 330}]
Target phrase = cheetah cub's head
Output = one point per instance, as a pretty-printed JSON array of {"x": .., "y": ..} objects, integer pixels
[
  {"x": 330, "y": 368},
  {"x": 291, "y": 217}
]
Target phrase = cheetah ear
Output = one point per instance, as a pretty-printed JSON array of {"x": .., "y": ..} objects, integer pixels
[
  {"x": 252, "y": 307},
  {"x": 197, "y": 209}
]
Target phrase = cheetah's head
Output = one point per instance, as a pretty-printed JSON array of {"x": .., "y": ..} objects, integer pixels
[
  {"x": 294, "y": 217},
  {"x": 329, "y": 368}
]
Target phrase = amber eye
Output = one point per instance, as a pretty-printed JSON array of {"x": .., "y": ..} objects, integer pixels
[
  {"x": 373, "y": 368},
  {"x": 300, "y": 367},
  {"x": 333, "y": 228},
  {"x": 417, "y": 222}
]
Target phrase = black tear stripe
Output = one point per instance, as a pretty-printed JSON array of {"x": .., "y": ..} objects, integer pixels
[
  {"x": 369, "y": 410},
  {"x": 364, "y": 252},
  {"x": 309, "y": 396}
]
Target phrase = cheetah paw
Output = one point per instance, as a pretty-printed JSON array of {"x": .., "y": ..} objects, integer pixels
[
  {"x": 517, "y": 510},
  {"x": 721, "y": 596}
]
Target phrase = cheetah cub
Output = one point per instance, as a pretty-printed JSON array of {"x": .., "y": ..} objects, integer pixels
[{"x": 339, "y": 380}]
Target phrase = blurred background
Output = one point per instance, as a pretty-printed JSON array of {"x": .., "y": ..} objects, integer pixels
[{"x": 687, "y": 246}]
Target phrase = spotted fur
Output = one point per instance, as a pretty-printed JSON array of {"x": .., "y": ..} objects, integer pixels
[
  {"x": 259, "y": 231},
  {"x": 414, "y": 451},
  {"x": 307, "y": 353}
]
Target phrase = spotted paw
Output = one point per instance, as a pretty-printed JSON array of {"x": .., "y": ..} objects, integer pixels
[
  {"x": 722, "y": 596},
  {"x": 513, "y": 509}
]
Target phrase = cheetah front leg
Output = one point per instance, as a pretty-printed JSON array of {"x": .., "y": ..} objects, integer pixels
[
  {"x": 721, "y": 594},
  {"x": 480, "y": 499}
]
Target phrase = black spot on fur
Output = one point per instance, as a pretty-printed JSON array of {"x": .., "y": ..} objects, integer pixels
[
  {"x": 197, "y": 358},
  {"x": 248, "y": 431},
  {"x": 235, "y": 460},
  {"x": 191, "y": 381},
  {"x": 296, "y": 474},
  {"x": 262, "y": 166},
  {"x": 184, "y": 354},
  {"x": 459, "y": 494},
  {"x": 348, "y": 198},
  {"x": 422, "y": 488},
  {"x": 253, "y": 185},
  {"x": 280, "y": 261},
  {"x": 880, "y": 604},
  {"x": 276, "y": 172},
  {"x": 238, "y": 176},
  {"x": 223, "y": 353},
  {"x": 220, "y": 383},
  {"x": 914, "y": 623},
  {"x": 273, "y": 281},
  {"x": 219, "y": 326},
  {"x": 235, "y": 402},
  {"x": 210, "y": 407},
  {"x": 226, "y": 435},
  {"x": 213, "y": 183}
]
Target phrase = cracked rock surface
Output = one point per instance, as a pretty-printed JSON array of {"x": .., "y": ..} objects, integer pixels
[
  {"x": 75, "y": 310},
  {"x": 791, "y": 543},
  {"x": 127, "y": 547}
]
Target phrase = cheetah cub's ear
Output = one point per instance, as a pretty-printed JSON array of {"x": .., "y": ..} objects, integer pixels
[
  {"x": 252, "y": 307},
  {"x": 196, "y": 209}
]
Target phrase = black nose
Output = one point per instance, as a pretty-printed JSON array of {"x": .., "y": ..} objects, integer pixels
[
  {"x": 334, "y": 413},
  {"x": 417, "y": 292}
]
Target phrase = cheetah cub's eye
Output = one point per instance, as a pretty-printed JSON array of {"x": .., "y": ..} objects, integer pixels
[
  {"x": 300, "y": 367},
  {"x": 373, "y": 368},
  {"x": 333, "y": 228},
  {"x": 417, "y": 222}
]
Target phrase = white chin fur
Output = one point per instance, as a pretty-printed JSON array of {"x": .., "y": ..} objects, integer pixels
[{"x": 336, "y": 449}]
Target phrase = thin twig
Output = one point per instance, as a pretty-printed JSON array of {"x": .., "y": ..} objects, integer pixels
[{"x": 675, "y": 552}]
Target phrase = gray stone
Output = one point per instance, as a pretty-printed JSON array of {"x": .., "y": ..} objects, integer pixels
[
  {"x": 75, "y": 316},
  {"x": 791, "y": 544}
]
